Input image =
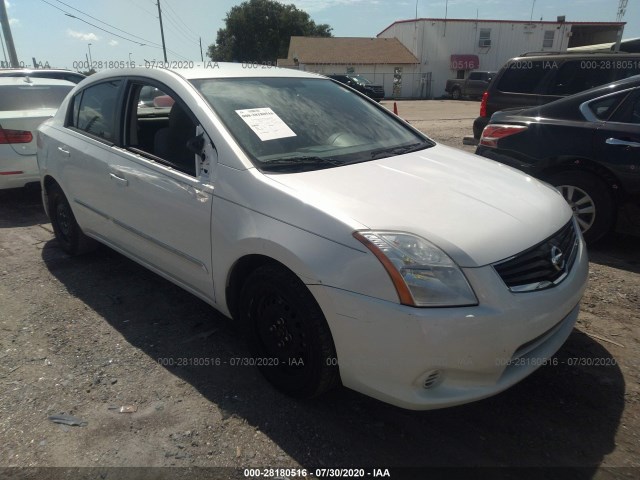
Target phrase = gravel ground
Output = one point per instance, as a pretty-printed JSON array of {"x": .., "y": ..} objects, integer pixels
[{"x": 90, "y": 335}]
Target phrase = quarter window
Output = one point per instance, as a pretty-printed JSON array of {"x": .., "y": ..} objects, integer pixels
[
  {"x": 93, "y": 110},
  {"x": 603, "y": 107}
]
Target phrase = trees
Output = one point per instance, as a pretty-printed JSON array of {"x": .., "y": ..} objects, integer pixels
[{"x": 259, "y": 31}]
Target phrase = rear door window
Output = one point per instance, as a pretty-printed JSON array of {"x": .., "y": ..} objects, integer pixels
[
  {"x": 523, "y": 76},
  {"x": 94, "y": 108}
]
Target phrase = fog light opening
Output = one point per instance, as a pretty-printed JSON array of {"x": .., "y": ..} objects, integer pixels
[{"x": 432, "y": 379}]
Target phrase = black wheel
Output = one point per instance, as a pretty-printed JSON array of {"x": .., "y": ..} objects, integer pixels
[
  {"x": 591, "y": 202},
  {"x": 65, "y": 227},
  {"x": 287, "y": 333},
  {"x": 456, "y": 94}
]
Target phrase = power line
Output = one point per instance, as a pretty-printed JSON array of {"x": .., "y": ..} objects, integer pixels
[
  {"x": 148, "y": 44},
  {"x": 174, "y": 27},
  {"x": 97, "y": 19},
  {"x": 186, "y": 28},
  {"x": 144, "y": 9}
]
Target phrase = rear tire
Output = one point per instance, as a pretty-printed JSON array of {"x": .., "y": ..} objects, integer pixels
[
  {"x": 65, "y": 227},
  {"x": 591, "y": 202},
  {"x": 287, "y": 333},
  {"x": 456, "y": 94}
]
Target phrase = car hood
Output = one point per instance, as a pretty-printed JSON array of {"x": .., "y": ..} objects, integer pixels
[{"x": 477, "y": 210}]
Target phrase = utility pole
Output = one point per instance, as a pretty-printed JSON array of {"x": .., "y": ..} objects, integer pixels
[
  {"x": 164, "y": 48},
  {"x": 622, "y": 9},
  {"x": 201, "y": 56},
  {"x": 8, "y": 38}
]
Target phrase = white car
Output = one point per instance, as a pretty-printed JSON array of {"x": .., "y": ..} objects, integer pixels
[
  {"x": 351, "y": 247},
  {"x": 24, "y": 104}
]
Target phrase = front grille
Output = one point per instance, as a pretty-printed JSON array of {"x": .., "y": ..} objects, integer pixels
[{"x": 543, "y": 265}]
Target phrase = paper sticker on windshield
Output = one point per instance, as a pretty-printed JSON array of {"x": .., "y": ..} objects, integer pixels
[{"x": 265, "y": 123}]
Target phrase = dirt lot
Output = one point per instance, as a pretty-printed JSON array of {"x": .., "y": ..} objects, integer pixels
[{"x": 85, "y": 336}]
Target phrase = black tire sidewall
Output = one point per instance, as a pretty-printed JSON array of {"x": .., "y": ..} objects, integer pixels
[
  {"x": 70, "y": 244},
  {"x": 319, "y": 373}
]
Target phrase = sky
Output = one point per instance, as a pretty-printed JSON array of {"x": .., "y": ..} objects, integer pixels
[{"x": 42, "y": 28}]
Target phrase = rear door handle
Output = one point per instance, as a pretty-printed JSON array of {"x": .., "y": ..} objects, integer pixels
[
  {"x": 64, "y": 152},
  {"x": 119, "y": 180},
  {"x": 622, "y": 143}
]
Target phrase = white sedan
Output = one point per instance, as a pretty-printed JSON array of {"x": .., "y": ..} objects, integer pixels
[
  {"x": 352, "y": 248},
  {"x": 25, "y": 103}
]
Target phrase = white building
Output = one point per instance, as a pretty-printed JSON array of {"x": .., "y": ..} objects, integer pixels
[
  {"x": 383, "y": 61},
  {"x": 451, "y": 48}
]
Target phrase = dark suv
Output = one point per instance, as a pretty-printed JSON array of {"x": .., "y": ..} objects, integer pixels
[
  {"x": 536, "y": 79},
  {"x": 362, "y": 85}
]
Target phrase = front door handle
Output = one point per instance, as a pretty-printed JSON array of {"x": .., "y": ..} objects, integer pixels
[
  {"x": 64, "y": 151},
  {"x": 119, "y": 180},
  {"x": 622, "y": 143}
]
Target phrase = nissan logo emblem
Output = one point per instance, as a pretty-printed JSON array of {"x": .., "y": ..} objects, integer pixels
[{"x": 557, "y": 258}]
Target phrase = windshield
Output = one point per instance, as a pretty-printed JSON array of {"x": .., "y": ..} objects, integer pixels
[
  {"x": 298, "y": 124},
  {"x": 361, "y": 80},
  {"x": 32, "y": 97}
]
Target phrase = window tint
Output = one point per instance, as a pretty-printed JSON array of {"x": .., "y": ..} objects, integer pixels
[
  {"x": 575, "y": 76},
  {"x": 32, "y": 97},
  {"x": 629, "y": 110},
  {"x": 94, "y": 110},
  {"x": 159, "y": 125},
  {"x": 524, "y": 76},
  {"x": 603, "y": 108},
  {"x": 635, "y": 112}
]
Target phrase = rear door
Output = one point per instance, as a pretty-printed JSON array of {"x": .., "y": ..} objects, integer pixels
[{"x": 617, "y": 144}]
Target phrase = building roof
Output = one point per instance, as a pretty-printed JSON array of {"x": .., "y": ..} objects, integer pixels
[
  {"x": 347, "y": 51},
  {"x": 475, "y": 20},
  {"x": 630, "y": 45}
]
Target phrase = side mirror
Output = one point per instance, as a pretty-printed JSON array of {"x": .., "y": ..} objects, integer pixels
[{"x": 196, "y": 144}]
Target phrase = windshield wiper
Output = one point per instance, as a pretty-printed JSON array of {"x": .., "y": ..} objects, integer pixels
[
  {"x": 302, "y": 162},
  {"x": 400, "y": 150}
]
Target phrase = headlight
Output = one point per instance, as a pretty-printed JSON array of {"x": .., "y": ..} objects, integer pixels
[{"x": 424, "y": 276}]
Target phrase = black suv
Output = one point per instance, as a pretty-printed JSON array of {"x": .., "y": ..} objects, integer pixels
[
  {"x": 362, "y": 85},
  {"x": 536, "y": 79}
]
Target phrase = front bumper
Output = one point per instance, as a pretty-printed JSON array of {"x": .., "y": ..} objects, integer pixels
[{"x": 425, "y": 358}]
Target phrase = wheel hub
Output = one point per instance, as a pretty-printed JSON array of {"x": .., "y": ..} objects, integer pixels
[
  {"x": 280, "y": 329},
  {"x": 581, "y": 204}
]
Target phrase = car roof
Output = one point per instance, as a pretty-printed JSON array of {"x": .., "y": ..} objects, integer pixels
[
  {"x": 27, "y": 71},
  {"x": 26, "y": 80},
  {"x": 211, "y": 70},
  {"x": 530, "y": 56}
]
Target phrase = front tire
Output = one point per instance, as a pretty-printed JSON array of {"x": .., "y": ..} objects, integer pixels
[
  {"x": 287, "y": 333},
  {"x": 591, "y": 202},
  {"x": 65, "y": 227}
]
